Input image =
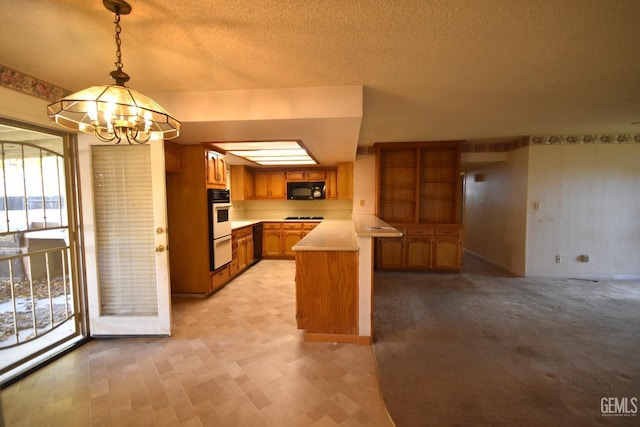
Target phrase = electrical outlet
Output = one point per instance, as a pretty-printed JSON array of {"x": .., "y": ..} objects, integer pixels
[
  {"x": 584, "y": 258},
  {"x": 558, "y": 259},
  {"x": 362, "y": 202}
]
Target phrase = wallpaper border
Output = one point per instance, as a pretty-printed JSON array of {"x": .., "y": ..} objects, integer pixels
[{"x": 29, "y": 85}]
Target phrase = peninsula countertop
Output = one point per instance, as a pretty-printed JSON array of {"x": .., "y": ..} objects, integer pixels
[{"x": 330, "y": 235}]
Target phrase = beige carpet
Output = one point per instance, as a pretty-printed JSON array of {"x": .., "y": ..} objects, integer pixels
[{"x": 482, "y": 348}]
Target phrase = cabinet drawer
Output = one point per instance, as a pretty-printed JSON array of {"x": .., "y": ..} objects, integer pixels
[
  {"x": 272, "y": 226},
  {"x": 447, "y": 231},
  {"x": 418, "y": 232},
  {"x": 244, "y": 232},
  {"x": 219, "y": 278},
  {"x": 308, "y": 226},
  {"x": 292, "y": 226}
]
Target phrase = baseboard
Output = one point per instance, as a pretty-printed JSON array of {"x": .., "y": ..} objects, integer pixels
[
  {"x": 364, "y": 340},
  {"x": 320, "y": 337}
]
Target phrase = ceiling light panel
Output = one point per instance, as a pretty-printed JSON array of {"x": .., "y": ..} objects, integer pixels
[{"x": 268, "y": 152}]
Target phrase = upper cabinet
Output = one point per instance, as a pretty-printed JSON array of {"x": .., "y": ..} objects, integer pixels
[
  {"x": 216, "y": 170},
  {"x": 269, "y": 184},
  {"x": 241, "y": 186},
  {"x": 259, "y": 184},
  {"x": 418, "y": 182},
  {"x": 172, "y": 158},
  {"x": 306, "y": 175}
]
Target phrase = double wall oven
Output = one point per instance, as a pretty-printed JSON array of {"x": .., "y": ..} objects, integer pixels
[{"x": 219, "y": 228}]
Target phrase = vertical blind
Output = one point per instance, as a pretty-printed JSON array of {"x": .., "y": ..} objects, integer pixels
[{"x": 124, "y": 230}]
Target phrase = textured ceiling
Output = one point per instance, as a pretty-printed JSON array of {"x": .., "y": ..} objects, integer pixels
[{"x": 431, "y": 70}]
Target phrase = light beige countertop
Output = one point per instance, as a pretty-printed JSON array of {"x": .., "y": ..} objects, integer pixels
[
  {"x": 244, "y": 223},
  {"x": 371, "y": 226},
  {"x": 334, "y": 234},
  {"x": 330, "y": 235}
]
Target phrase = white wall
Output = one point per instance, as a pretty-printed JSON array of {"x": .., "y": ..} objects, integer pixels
[
  {"x": 18, "y": 106},
  {"x": 588, "y": 199},
  {"x": 495, "y": 212},
  {"x": 364, "y": 188}
]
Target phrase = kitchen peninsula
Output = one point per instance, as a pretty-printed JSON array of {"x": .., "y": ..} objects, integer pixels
[{"x": 334, "y": 277}]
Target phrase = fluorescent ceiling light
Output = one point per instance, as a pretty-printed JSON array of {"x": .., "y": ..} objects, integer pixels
[{"x": 291, "y": 152}]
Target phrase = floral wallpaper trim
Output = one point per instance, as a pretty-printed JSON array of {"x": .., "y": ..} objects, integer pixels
[
  {"x": 16, "y": 80},
  {"x": 552, "y": 140}
]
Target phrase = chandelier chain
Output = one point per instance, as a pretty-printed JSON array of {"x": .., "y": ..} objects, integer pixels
[{"x": 118, "y": 42}]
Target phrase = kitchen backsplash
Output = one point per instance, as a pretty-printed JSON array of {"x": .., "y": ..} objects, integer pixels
[{"x": 279, "y": 209}]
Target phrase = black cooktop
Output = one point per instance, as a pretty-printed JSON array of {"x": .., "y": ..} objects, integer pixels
[{"x": 304, "y": 217}]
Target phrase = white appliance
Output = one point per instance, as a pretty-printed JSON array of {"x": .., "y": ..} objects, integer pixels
[{"x": 219, "y": 228}]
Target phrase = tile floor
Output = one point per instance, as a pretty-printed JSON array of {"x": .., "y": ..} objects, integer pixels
[{"x": 235, "y": 359}]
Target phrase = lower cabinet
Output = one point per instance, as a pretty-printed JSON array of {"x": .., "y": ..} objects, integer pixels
[
  {"x": 242, "y": 250},
  {"x": 279, "y": 237},
  {"x": 432, "y": 247},
  {"x": 327, "y": 295},
  {"x": 218, "y": 278}
]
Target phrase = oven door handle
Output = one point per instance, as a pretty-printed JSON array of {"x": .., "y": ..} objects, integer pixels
[{"x": 222, "y": 239}]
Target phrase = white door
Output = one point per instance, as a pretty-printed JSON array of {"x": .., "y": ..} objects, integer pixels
[{"x": 125, "y": 228}]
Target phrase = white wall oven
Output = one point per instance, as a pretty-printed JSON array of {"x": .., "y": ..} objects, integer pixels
[{"x": 219, "y": 228}]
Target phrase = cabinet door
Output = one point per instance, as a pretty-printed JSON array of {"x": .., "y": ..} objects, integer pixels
[
  {"x": 345, "y": 180},
  {"x": 216, "y": 174},
  {"x": 261, "y": 185},
  {"x": 269, "y": 185},
  {"x": 289, "y": 239},
  {"x": 241, "y": 185},
  {"x": 418, "y": 253},
  {"x": 242, "y": 254},
  {"x": 390, "y": 252},
  {"x": 271, "y": 243},
  {"x": 331, "y": 183},
  {"x": 297, "y": 175},
  {"x": 277, "y": 187},
  {"x": 314, "y": 175},
  {"x": 446, "y": 253},
  {"x": 249, "y": 240}
]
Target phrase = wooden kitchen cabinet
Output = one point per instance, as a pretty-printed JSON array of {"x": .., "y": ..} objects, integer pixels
[
  {"x": 307, "y": 227},
  {"x": 216, "y": 171},
  {"x": 418, "y": 189},
  {"x": 279, "y": 237},
  {"x": 292, "y": 233},
  {"x": 331, "y": 184},
  {"x": 339, "y": 182},
  {"x": 305, "y": 175},
  {"x": 344, "y": 181},
  {"x": 188, "y": 225},
  {"x": 390, "y": 252},
  {"x": 271, "y": 239},
  {"x": 172, "y": 162},
  {"x": 242, "y": 250},
  {"x": 218, "y": 278},
  {"x": 269, "y": 184},
  {"x": 241, "y": 186},
  {"x": 437, "y": 247},
  {"x": 327, "y": 295}
]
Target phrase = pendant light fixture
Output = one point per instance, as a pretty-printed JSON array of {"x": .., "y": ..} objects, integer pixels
[{"x": 114, "y": 112}]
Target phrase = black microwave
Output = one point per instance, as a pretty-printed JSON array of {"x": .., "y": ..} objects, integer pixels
[{"x": 305, "y": 190}]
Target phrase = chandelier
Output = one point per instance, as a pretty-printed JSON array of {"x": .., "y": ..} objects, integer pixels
[{"x": 114, "y": 112}]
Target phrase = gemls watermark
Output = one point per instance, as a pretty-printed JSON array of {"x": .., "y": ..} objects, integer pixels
[{"x": 619, "y": 406}]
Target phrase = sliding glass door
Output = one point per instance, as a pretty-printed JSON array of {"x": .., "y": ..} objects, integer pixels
[{"x": 40, "y": 294}]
